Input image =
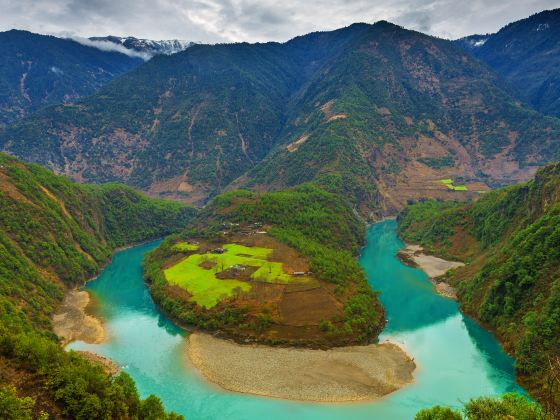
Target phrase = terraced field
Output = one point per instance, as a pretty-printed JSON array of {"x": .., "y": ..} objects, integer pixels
[
  {"x": 450, "y": 184},
  {"x": 225, "y": 272}
]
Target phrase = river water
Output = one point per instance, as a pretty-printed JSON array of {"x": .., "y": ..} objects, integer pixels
[{"x": 456, "y": 358}]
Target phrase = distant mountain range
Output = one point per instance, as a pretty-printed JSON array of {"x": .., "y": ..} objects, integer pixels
[
  {"x": 527, "y": 54},
  {"x": 148, "y": 46},
  {"x": 38, "y": 70},
  {"x": 377, "y": 113}
]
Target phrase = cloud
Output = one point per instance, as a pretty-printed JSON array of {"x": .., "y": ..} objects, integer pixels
[
  {"x": 109, "y": 46},
  {"x": 257, "y": 20}
]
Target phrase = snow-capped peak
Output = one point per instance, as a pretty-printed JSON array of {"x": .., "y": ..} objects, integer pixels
[{"x": 146, "y": 46}]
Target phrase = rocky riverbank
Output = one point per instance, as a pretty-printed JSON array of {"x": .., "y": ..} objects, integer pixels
[
  {"x": 434, "y": 267},
  {"x": 341, "y": 374}
]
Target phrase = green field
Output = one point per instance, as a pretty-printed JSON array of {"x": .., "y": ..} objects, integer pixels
[
  {"x": 449, "y": 183},
  {"x": 207, "y": 290},
  {"x": 185, "y": 246}
]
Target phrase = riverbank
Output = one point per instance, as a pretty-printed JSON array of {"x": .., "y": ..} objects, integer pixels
[
  {"x": 71, "y": 322},
  {"x": 109, "y": 366},
  {"x": 343, "y": 374},
  {"x": 434, "y": 267}
]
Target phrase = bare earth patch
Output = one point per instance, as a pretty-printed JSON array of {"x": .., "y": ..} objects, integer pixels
[
  {"x": 70, "y": 322},
  {"x": 341, "y": 374}
]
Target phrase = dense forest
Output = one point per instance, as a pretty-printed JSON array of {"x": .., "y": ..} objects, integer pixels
[
  {"x": 55, "y": 235},
  {"x": 510, "y": 240},
  {"x": 318, "y": 224}
]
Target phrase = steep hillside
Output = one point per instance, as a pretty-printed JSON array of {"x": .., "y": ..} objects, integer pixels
[
  {"x": 398, "y": 112},
  {"x": 375, "y": 112},
  {"x": 38, "y": 70},
  {"x": 510, "y": 239},
  {"x": 55, "y": 235},
  {"x": 286, "y": 268},
  {"x": 527, "y": 53}
]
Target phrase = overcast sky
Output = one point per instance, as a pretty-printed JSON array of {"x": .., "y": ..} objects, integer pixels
[{"x": 258, "y": 20}]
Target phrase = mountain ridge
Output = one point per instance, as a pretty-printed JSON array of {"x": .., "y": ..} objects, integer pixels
[
  {"x": 403, "y": 111},
  {"x": 148, "y": 46}
]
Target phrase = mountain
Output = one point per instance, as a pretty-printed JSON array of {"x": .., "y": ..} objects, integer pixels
[
  {"x": 377, "y": 113},
  {"x": 510, "y": 241},
  {"x": 527, "y": 54},
  {"x": 55, "y": 235},
  {"x": 148, "y": 46},
  {"x": 38, "y": 70}
]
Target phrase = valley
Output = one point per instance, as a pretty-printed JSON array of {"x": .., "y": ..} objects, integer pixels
[{"x": 461, "y": 362}]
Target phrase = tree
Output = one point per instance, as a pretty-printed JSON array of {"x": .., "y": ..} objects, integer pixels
[
  {"x": 14, "y": 408},
  {"x": 438, "y": 413},
  {"x": 152, "y": 409},
  {"x": 509, "y": 406}
]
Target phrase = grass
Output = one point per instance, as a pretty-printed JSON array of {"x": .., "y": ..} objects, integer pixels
[
  {"x": 185, "y": 246},
  {"x": 207, "y": 290},
  {"x": 449, "y": 184}
]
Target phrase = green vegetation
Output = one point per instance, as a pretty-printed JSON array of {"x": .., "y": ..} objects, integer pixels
[
  {"x": 185, "y": 247},
  {"x": 512, "y": 236},
  {"x": 318, "y": 224},
  {"x": 76, "y": 388},
  {"x": 432, "y": 224},
  {"x": 510, "y": 406},
  {"x": 207, "y": 290},
  {"x": 55, "y": 234},
  {"x": 449, "y": 183},
  {"x": 14, "y": 408},
  {"x": 438, "y": 413}
]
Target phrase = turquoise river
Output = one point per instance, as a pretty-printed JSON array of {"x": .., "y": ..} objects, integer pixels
[{"x": 457, "y": 359}]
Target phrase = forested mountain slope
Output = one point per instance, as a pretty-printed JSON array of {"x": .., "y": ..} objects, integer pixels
[
  {"x": 375, "y": 112},
  {"x": 390, "y": 117},
  {"x": 55, "y": 235},
  {"x": 38, "y": 70},
  {"x": 527, "y": 54},
  {"x": 510, "y": 240},
  {"x": 189, "y": 123}
]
